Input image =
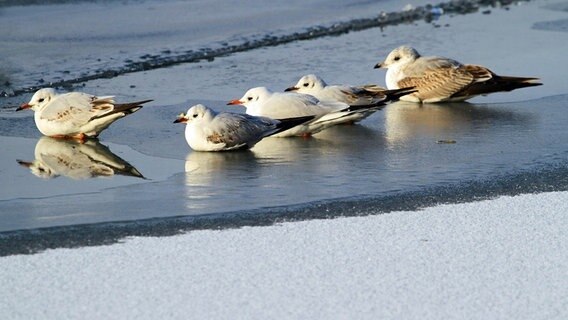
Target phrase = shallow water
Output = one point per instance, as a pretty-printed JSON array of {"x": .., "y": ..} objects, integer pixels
[{"x": 400, "y": 151}]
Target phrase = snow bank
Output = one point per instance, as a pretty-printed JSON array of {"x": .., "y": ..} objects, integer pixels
[{"x": 500, "y": 259}]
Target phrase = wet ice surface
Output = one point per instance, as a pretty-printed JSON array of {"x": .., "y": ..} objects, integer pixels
[
  {"x": 44, "y": 49},
  {"x": 396, "y": 150},
  {"x": 393, "y": 152}
]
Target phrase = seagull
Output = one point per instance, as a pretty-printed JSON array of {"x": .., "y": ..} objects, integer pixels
[
  {"x": 439, "y": 79},
  {"x": 208, "y": 130},
  {"x": 76, "y": 160},
  {"x": 76, "y": 115},
  {"x": 351, "y": 95},
  {"x": 261, "y": 101}
]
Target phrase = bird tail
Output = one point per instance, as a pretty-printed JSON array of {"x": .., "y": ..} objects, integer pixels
[
  {"x": 288, "y": 123},
  {"x": 390, "y": 95},
  {"x": 395, "y": 94},
  {"x": 500, "y": 84},
  {"x": 126, "y": 108},
  {"x": 130, "y": 107},
  {"x": 512, "y": 83}
]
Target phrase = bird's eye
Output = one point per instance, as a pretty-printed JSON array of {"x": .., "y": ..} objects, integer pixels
[
  {"x": 41, "y": 100},
  {"x": 396, "y": 58},
  {"x": 249, "y": 98},
  {"x": 195, "y": 115},
  {"x": 306, "y": 84}
]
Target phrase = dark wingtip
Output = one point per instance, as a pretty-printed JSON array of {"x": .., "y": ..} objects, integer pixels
[
  {"x": 395, "y": 94},
  {"x": 288, "y": 123}
]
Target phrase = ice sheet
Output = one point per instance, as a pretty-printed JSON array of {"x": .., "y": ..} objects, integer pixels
[{"x": 496, "y": 259}]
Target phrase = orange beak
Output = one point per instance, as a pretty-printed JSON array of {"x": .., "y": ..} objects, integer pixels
[
  {"x": 234, "y": 103},
  {"x": 23, "y": 107}
]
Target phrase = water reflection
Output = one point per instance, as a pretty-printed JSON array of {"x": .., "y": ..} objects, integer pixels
[
  {"x": 75, "y": 160},
  {"x": 208, "y": 163},
  {"x": 342, "y": 140},
  {"x": 406, "y": 120},
  {"x": 224, "y": 174}
]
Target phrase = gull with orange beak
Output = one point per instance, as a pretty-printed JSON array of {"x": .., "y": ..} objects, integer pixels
[
  {"x": 207, "y": 130},
  {"x": 261, "y": 101},
  {"x": 352, "y": 95},
  {"x": 76, "y": 115}
]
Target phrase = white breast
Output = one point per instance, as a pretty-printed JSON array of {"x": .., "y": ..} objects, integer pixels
[{"x": 394, "y": 74}]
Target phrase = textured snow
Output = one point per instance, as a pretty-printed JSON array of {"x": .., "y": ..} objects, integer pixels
[{"x": 497, "y": 259}]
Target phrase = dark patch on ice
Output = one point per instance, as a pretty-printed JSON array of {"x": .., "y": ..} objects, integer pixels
[
  {"x": 382, "y": 20},
  {"x": 546, "y": 179}
]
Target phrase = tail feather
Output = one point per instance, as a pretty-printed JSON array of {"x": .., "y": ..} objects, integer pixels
[
  {"x": 126, "y": 108},
  {"x": 499, "y": 84},
  {"x": 288, "y": 123},
  {"x": 395, "y": 94},
  {"x": 390, "y": 95}
]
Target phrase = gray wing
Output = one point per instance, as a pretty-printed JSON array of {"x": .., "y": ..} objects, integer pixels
[{"x": 240, "y": 130}]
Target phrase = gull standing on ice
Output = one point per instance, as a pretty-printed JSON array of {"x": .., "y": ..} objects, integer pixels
[
  {"x": 76, "y": 115},
  {"x": 260, "y": 101},
  {"x": 207, "y": 130},
  {"x": 351, "y": 95},
  {"x": 439, "y": 79}
]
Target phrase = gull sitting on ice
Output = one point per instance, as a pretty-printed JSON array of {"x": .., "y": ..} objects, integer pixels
[
  {"x": 76, "y": 115},
  {"x": 207, "y": 130},
  {"x": 260, "y": 101},
  {"x": 351, "y": 95},
  {"x": 439, "y": 79}
]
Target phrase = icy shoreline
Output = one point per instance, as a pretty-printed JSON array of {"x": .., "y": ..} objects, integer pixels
[
  {"x": 548, "y": 179},
  {"x": 498, "y": 259}
]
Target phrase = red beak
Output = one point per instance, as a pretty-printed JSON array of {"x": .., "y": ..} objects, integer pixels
[
  {"x": 234, "y": 103},
  {"x": 23, "y": 107}
]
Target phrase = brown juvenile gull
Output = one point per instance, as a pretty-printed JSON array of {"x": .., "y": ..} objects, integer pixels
[{"x": 440, "y": 79}]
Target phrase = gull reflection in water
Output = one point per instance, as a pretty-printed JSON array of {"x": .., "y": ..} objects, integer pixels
[
  {"x": 76, "y": 160},
  {"x": 202, "y": 168},
  {"x": 406, "y": 120},
  {"x": 209, "y": 174}
]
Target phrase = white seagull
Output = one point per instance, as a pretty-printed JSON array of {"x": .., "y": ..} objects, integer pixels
[
  {"x": 352, "y": 95},
  {"x": 260, "y": 101},
  {"x": 76, "y": 160},
  {"x": 208, "y": 130},
  {"x": 439, "y": 79},
  {"x": 76, "y": 115}
]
